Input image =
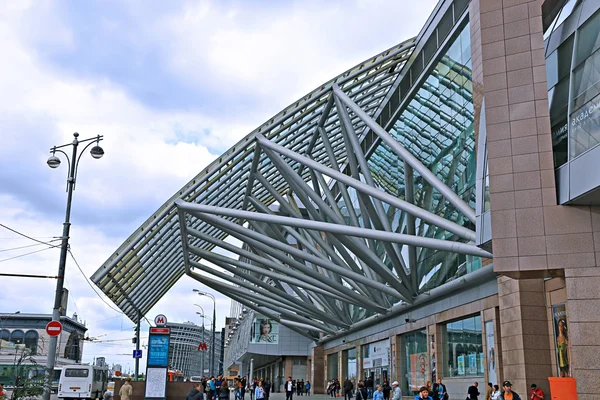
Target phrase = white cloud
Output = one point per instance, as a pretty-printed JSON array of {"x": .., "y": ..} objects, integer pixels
[{"x": 268, "y": 55}]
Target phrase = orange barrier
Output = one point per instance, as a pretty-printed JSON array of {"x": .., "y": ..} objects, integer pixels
[{"x": 563, "y": 388}]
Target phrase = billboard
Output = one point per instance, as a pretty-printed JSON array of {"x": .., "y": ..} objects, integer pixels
[
  {"x": 561, "y": 337},
  {"x": 264, "y": 331}
]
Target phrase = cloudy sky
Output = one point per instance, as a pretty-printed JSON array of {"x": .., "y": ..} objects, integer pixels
[{"x": 171, "y": 85}]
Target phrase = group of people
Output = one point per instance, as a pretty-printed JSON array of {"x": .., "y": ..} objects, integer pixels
[
  {"x": 493, "y": 392},
  {"x": 214, "y": 388},
  {"x": 298, "y": 386},
  {"x": 333, "y": 388}
]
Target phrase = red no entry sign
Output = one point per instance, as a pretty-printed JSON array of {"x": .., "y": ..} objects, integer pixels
[{"x": 54, "y": 328}]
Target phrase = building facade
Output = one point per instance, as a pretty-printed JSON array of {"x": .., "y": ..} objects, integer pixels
[
  {"x": 185, "y": 353},
  {"x": 431, "y": 213},
  {"x": 24, "y": 343}
]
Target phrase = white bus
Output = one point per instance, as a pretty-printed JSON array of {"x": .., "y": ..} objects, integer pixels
[{"x": 82, "y": 382}]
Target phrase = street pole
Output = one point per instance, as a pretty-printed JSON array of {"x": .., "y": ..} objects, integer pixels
[
  {"x": 137, "y": 347},
  {"x": 212, "y": 350},
  {"x": 54, "y": 162}
]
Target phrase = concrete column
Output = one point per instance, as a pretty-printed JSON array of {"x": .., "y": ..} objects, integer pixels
[
  {"x": 318, "y": 370},
  {"x": 526, "y": 352}
]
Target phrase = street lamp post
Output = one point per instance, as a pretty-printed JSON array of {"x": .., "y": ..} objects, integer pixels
[
  {"x": 214, "y": 319},
  {"x": 203, "y": 316},
  {"x": 73, "y": 163}
]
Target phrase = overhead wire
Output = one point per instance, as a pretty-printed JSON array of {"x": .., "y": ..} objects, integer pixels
[
  {"x": 23, "y": 247},
  {"x": 28, "y": 237},
  {"x": 26, "y": 254}
]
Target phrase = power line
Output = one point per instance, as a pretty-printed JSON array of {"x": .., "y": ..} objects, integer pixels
[
  {"x": 24, "y": 247},
  {"x": 28, "y": 237},
  {"x": 90, "y": 284},
  {"x": 26, "y": 254}
]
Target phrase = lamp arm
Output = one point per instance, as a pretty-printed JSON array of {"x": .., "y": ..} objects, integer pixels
[{"x": 79, "y": 158}]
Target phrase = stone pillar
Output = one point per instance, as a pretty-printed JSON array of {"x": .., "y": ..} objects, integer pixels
[
  {"x": 526, "y": 353},
  {"x": 318, "y": 370}
]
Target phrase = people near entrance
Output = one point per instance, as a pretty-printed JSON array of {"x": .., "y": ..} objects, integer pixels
[
  {"x": 378, "y": 393},
  {"x": 488, "y": 391},
  {"x": 507, "y": 393},
  {"x": 289, "y": 388},
  {"x": 361, "y": 392},
  {"x": 223, "y": 391},
  {"x": 348, "y": 388},
  {"x": 331, "y": 388},
  {"x": 212, "y": 388},
  {"x": 423, "y": 394},
  {"x": 300, "y": 387},
  {"x": 307, "y": 388},
  {"x": 397, "y": 391},
  {"x": 386, "y": 389},
  {"x": 126, "y": 391},
  {"x": 369, "y": 384},
  {"x": 259, "y": 392},
  {"x": 195, "y": 392},
  {"x": 473, "y": 392},
  {"x": 536, "y": 393},
  {"x": 496, "y": 393},
  {"x": 439, "y": 390}
]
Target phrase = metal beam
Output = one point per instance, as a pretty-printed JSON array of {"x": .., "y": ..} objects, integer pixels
[{"x": 407, "y": 156}]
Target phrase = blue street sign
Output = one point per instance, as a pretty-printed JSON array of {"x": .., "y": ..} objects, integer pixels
[{"x": 137, "y": 354}]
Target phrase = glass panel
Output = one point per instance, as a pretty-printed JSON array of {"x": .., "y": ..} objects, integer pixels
[
  {"x": 463, "y": 349},
  {"x": 589, "y": 39},
  {"x": 31, "y": 339},
  {"x": 416, "y": 360},
  {"x": 586, "y": 81},
  {"x": 351, "y": 367},
  {"x": 585, "y": 128},
  {"x": 558, "y": 64},
  {"x": 17, "y": 337},
  {"x": 332, "y": 366},
  {"x": 76, "y": 373}
]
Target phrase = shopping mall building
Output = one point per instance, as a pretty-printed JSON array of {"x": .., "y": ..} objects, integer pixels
[{"x": 431, "y": 212}]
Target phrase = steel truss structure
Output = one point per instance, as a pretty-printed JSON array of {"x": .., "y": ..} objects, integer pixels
[{"x": 319, "y": 252}]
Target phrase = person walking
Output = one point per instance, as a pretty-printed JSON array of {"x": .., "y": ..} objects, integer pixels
[
  {"x": 423, "y": 394},
  {"x": 496, "y": 393},
  {"x": 386, "y": 388},
  {"x": 267, "y": 387},
  {"x": 369, "y": 384},
  {"x": 361, "y": 392},
  {"x": 348, "y": 388},
  {"x": 289, "y": 389},
  {"x": 473, "y": 391},
  {"x": 307, "y": 388},
  {"x": 488, "y": 391},
  {"x": 223, "y": 391},
  {"x": 378, "y": 393},
  {"x": 508, "y": 394},
  {"x": 126, "y": 391},
  {"x": 195, "y": 392},
  {"x": 439, "y": 390},
  {"x": 397, "y": 391},
  {"x": 259, "y": 392},
  {"x": 536, "y": 393},
  {"x": 212, "y": 388}
]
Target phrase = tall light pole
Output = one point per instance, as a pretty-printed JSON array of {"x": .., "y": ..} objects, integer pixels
[
  {"x": 203, "y": 316},
  {"x": 214, "y": 319},
  {"x": 73, "y": 163}
]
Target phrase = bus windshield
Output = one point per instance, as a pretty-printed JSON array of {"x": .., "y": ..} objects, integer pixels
[{"x": 76, "y": 373}]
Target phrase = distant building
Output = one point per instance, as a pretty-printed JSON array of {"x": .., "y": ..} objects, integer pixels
[
  {"x": 101, "y": 362},
  {"x": 184, "y": 354},
  {"x": 24, "y": 343}
]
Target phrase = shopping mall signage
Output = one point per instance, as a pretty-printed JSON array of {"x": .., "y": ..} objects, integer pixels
[{"x": 379, "y": 355}]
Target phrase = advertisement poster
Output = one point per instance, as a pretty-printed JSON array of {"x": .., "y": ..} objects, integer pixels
[
  {"x": 419, "y": 370},
  {"x": 264, "y": 331},
  {"x": 158, "y": 350},
  {"x": 156, "y": 383},
  {"x": 461, "y": 365},
  {"x": 491, "y": 351},
  {"x": 472, "y": 364},
  {"x": 379, "y": 355},
  {"x": 561, "y": 337}
]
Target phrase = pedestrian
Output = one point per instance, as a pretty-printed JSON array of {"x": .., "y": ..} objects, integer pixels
[
  {"x": 473, "y": 391},
  {"x": 267, "y": 387},
  {"x": 536, "y": 393},
  {"x": 195, "y": 393},
  {"x": 2, "y": 392},
  {"x": 429, "y": 389},
  {"x": 244, "y": 382},
  {"x": 218, "y": 383},
  {"x": 378, "y": 393},
  {"x": 224, "y": 391},
  {"x": 289, "y": 389},
  {"x": 397, "y": 391},
  {"x": 108, "y": 395},
  {"x": 338, "y": 386},
  {"x": 212, "y": 388},
  {"x": 126, "y": 391},
  {"x": 331, "y": 388},
  {"x": 259, "y": 392},
  {"x": 386, "y": 388},
  {"x": 307, "y": 388},
  {"x": 361, "y": 392},
  {"x": 369, "y": 384},
  {"x": 496, "y": 393},
  {"x": 489, "y": 391},
  {"x": 423, "y": 394},
  {"x": 348, "y": 388},
  {"x": 439, "y": 390},
  {"x": 508, "y": 394}
]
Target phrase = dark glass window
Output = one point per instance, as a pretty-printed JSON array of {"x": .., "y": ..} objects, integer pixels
[
  {"x": 558, "y": 64},
  {"x": 5, "y": 334},
  {"x": 76, "y": 373},
  {"x": 415, "y": 357},
  {"x": 17, "y": 337},
  {"x": 463, "y": 348},
  {"x": 589, "y": 39},
  {"x": 31, "y": 340}
]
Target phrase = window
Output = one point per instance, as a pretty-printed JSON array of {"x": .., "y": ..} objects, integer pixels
[
  {"x": 5, "y": 334},
  {"x": 17, "y": 337},
  {"x": 77, "y": 373},
  {"x": 416, "y": 360},
  {"x": 332, "y": 366},
  {"x": 31, "y": 341},
  {"x": 463, "y": 349},
  {"x": 589, "y": 39}
]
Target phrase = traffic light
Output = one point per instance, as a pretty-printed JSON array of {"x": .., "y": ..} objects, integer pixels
[{"x": 134, "y": 340}]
